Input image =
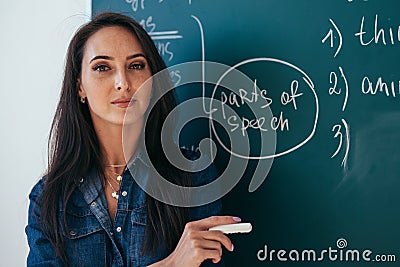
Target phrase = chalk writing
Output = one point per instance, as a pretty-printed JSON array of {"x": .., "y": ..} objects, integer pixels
[
  {"x": 136, "y": 4},
  {"x": 379, "y": 34},
  {"x": 164, "y": 50},
  {"x": 391, "y": 88},
  {"x": 339, "y": 134},
  {"x": 280, "y": 123},
  {"x": 148, "y": 24},
  {"x": 162, "y": 39},
  {"x": 334, "y": 90},
  {"x": 165, "y": 35},
  {"x": 331, "y": 36},
  {"x": 176, "y": 77},
  {"x": 244, "y": 98},
  {"x": 246, "y": 123},
  {"x": 287, "y": 98},
  {"x": 259, "y": 99}
]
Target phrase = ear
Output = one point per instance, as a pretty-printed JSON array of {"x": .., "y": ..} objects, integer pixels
[{"x": 81, "y": 90}]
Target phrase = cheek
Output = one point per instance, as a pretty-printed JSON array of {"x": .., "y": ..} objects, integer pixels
[
  {"x": 144, "y": 92},
  {"x": 96, "y": 90},
  {"x": 95, "y": 96},
  {"x": 97, "y": 101}
]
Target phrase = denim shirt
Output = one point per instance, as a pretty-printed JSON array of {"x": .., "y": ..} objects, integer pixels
[{"x": 91, "y": 238}]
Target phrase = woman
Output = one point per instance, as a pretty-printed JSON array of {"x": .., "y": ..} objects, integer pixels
[{"x": 88, "y": 210}]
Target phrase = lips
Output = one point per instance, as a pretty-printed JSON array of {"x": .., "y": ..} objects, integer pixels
[{"x": 123, "y": 102}]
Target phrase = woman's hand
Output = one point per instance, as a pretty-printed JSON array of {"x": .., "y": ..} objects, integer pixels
[{"x": 197, "y": 244}]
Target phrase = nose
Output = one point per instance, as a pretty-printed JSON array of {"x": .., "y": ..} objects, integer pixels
[{"x": 121, "y": 81}]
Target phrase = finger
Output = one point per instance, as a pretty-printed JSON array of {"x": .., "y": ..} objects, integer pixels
[
  {"x": 212, "y": 254},
  {"x": 216, "y": 260},
  {"x": 210, "y": 245},
  {"x": 205, "y": 224},
  {"x": 218, "y": 236}
]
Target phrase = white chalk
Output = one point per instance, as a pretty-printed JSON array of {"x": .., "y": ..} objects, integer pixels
[{"x": 233, "y": 228}]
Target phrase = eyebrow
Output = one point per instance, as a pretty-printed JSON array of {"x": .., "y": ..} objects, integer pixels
[{"x": 111, "y": 58}]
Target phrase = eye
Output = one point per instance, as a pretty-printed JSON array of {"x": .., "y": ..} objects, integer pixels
[
  {"x": 101, "y": 68},
  {"x": 137, "y": 66}
]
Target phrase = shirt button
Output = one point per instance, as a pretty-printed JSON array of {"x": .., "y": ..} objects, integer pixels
[
  {"x": 93, "y": 204},
  {"x": 119, "y": 229},
  {"x": 124, "y": 193},
  {"x": 81, "y": 180}
]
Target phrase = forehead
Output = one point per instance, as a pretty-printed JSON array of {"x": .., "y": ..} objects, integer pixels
[{"x": 112, "y": 41}]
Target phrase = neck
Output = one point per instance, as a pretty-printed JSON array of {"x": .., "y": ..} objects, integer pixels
[{"x": 117, "y": 151}]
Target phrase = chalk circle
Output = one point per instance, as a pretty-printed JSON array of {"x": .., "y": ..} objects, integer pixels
[
  {"x": 270, "y": 151},
  {"x": 160, "y": 188}
]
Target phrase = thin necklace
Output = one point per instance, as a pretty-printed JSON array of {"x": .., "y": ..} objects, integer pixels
[
  {"x": 115, "y": 165},
  {"x": 114, "y": 193},
  {"x": 119, "y": 176},
  {"x": 118, "y": 180}
]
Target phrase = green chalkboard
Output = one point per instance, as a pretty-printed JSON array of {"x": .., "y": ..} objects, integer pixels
[{"x": 328, "y": 71}]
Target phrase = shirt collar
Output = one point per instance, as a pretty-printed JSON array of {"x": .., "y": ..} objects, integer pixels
[
  {"x": 91, "y": 186},
  {"x": 140, "y": 157}
]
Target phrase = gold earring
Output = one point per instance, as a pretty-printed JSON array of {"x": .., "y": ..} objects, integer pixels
[{"x": 83, "y": 100}]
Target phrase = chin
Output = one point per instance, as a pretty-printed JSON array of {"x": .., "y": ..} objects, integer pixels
[{"x": 133, "y": 119}]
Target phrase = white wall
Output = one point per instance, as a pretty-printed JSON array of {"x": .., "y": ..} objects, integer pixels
[{"x": 33, "y": 39}]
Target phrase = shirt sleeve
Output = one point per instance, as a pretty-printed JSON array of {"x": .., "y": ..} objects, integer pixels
[{"x": 41, "y": 252}]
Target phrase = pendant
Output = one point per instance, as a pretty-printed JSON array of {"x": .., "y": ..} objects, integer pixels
[
  {"x": 119, "y": 178},
  {"x": 114, "y": 195}
]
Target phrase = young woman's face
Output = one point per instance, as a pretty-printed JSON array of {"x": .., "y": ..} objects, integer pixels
[{"x": 113, "y": 68}]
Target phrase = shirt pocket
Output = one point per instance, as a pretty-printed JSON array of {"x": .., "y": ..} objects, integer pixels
[
  {"x": 137, "y": 236},
  {"x": 138, "y": 228},
  {"x": 138, "y": 216},
  {"x": 85, "y": 239},
  {"x": 137, "y": 241}
]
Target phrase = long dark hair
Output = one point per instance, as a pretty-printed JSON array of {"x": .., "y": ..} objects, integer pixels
[{"x": 74, "y": 148}]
